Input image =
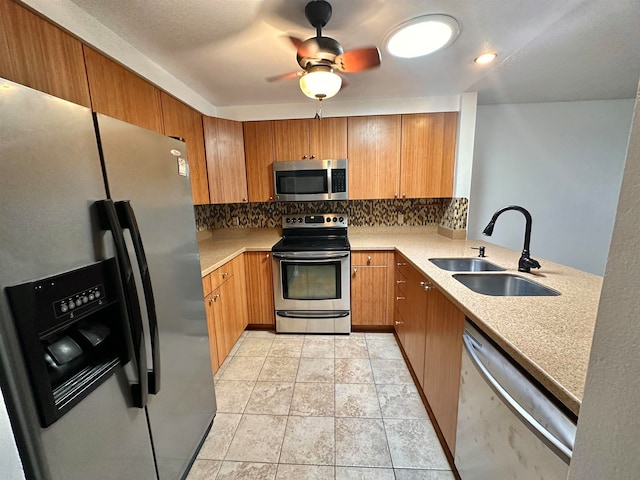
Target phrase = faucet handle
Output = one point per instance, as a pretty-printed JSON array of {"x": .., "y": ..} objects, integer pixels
[{"x": 526, "y": 263}]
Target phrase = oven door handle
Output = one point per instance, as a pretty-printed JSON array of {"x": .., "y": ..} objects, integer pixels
[
  {"x": 310, "y": 255},
  {"x": 312, "y": 314}
]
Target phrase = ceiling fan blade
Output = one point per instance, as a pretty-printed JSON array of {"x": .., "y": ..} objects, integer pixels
[
  {"x": 284, "y": 76},
  {"x": 295, "y": 41},
  {"x": 358, "y": 60}
]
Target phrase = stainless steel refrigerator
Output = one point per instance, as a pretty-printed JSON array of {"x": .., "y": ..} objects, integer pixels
[{"x": 104, "y": 354}]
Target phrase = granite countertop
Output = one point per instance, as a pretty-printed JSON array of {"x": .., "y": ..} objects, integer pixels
[{"x": 550, "y": 337}]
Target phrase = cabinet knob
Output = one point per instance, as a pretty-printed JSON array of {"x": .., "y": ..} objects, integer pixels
[
  {"x": 422, "y": 284},
  {"x": 312, "y": 157},
  {"x": 401, "y": 264},
  {"x": 398, "y": 282},
  {"x": 399, "y": 323},
  {"x": 244, "y": 199},
  {"x": 268, "y": 255},
  {"x": 215, "y": 297},
  {"x": 224, "y": 274},
  {"x": 270, "y": 197},
  {"x": 399, "y": 298},
  {"x": 395, "y": 195},
  {"x": 369, "y": 260},
  {"x": 355, "y": 270},
  {"x": 404, "y": 195},
  {"x": 427, "y": 288},
  {"x": 304, "y": 157}
]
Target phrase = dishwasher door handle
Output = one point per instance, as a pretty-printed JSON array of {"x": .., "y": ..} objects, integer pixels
[{"x": 562, "y": 450}]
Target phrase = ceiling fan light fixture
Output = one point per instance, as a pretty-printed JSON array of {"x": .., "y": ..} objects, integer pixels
[
  {"x": 320, "y": 82},
  {"x": 422, "y": 36}
]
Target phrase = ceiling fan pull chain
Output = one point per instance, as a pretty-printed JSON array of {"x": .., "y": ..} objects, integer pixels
[{"x": 318, "y": 110}]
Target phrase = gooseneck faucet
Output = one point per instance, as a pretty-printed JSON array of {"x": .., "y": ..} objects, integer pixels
[{"x": 526, "y": 263}]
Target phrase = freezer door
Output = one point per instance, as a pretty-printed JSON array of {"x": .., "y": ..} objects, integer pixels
[
  {"x": 51, "y": 176},
  {"x": 148, "y": 169}
]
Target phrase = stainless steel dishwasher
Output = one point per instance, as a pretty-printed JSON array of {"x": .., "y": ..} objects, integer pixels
[{"x": 507, "y": 427}]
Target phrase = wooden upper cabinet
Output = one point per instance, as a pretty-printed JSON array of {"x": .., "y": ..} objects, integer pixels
[
  {"x": 224, "y": 147},
  {"x": 36, "y": 53},
  {"x": 119, "y": 93},
  {"x": 328, "y": 138},
  {"x": 290, "y": 139},
  {"x": 374, "y": 156},
  {"x": 310, "y": 139},
  {"x": 182, "y": 121},
  {"x": 428, "y": 154},
  {"x": 258, "y": 151}
]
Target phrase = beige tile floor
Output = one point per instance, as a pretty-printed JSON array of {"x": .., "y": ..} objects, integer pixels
[{"x": 316, "y": 407}]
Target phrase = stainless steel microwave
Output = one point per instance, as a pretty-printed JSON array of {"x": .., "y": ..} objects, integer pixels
[{"x": 305, "y": 180}]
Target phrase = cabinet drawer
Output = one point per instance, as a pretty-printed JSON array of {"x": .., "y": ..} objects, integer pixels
[
  {"x": 402, "y": 266},
  {"x": 222, "y": 274},
  {"x": 369, "y": 258},
  {"x": 206, "y": 284}
]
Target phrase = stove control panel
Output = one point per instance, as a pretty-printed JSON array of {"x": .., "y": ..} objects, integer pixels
[{"x": 317, "y": 220}]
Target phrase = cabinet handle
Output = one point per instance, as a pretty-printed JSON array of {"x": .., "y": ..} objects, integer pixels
[
  {"x": 399, "y": 298},
  {"x": 244, "y": 199},
  {"x": 404, "y": 195},
  {"x": 399, "y": 323},
  {"x": 268, "y": 255},
  {"x": 312, "y": 157},
  {"x": 304, "y": 157},
  {"x": 369, "y": 260},
  {"x": 398, "y": 282},
  {"x": 401, "y": 264},
  {"x": 355, "y": 270},
  {"x": 427, "y": 288},
  {"x": 422, "y": 284},
  {"x": 270, "y": 197},
  {"x": 215, "y": 298},
  {"x": 395, "y": 195},
  {"x": 224, "y": 274}
]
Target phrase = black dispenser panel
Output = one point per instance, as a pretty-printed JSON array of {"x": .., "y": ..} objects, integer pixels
[{"x": 73, "y": 332}]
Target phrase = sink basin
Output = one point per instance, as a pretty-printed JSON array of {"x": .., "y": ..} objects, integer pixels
[
  {"x": 503, "y": 284},
  {"x": 465, "y": 265}
]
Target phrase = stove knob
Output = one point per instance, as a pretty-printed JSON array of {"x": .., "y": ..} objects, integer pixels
[
  {"x": 335, "y": 219},
  {"x": 300, "y": 220},
  {"x": 293, "y": 220},
  {"x": 341, "y": 219},
  {"x": 327, "y": 220},
  {"x": 288, "y": 220}
]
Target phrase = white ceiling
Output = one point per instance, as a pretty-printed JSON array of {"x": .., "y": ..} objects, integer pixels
[{"x": 549, "y": 50}]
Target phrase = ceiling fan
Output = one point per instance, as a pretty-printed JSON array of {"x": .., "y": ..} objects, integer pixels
[{"x": 320, "y": 57}]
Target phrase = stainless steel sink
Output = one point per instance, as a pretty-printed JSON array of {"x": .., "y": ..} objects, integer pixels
[
  {"x": 503, "y": 284},
  {"x": 465, "y": 265}
]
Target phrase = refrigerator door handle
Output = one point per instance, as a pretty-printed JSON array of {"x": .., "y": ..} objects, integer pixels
[
  {"x": 109, "y": 221},
  {"x": 127, "y": 218}
]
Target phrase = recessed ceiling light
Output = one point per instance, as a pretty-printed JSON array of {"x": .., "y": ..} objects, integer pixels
[
  {"x": 486, "y": 58},
  {"x": 422, "y": 36}
]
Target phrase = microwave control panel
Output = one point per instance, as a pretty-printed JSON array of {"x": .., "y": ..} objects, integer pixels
[{"x": 338, "y": 180}]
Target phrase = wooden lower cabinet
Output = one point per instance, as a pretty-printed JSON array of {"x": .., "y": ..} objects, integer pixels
[
  {"x": 430, "y": 329},
  {"x": 258, "y": 269},
  {"x": 226, "y": 307},
  {"x": 371, "y": 288}
]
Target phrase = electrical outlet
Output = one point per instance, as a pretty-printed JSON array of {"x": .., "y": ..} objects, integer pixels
[
  {"x": 235, "y": 221},
  {"x": 400, "y": 219}
]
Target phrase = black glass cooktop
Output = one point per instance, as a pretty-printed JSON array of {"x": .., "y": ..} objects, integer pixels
[{"x": 308, "y": 243}]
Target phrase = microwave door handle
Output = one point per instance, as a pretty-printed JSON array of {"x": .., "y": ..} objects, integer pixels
[
  {"x": 127, "y": 218},
  {"x": 310, "y": 255},
  {"x": 109, "y": 221}
]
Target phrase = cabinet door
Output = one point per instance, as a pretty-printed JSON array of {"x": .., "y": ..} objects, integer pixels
[
  {"x": 369, "y": 295},
  {"x": 428, "y": 154},
  {"x": 182, "y": 121},
  {"x": 211, "y": 326},
  {"x": 222, "y": 314},
  {"x": 290, "y": 139},
  {"x": 121, "y": 94},
  {"x": 415, "y": 322},
  {"x": 374, "y": 156},
  {"x": 443, "y": 359},
  {"x": 40, "y": 55},
  {"x": 259, "y": 288},
  {"x": 224, "y": 147},
  {"x": 258, "y": 151},
  {"x": 238, "y": 282},
  {"x": 328, "y": 138}
]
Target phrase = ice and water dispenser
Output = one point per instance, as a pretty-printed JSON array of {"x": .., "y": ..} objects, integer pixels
[{"x": 73, "y": 333}]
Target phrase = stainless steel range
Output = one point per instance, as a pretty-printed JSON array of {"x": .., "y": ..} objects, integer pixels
[{"x": 311, "y": 275}]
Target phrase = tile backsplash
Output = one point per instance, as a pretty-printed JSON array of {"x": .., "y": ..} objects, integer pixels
[{"x": 450, "y": 213}]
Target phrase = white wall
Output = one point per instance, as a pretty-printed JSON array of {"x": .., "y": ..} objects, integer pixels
[
  {"x": 607, "y": 443},
  {"x": 563, "y": 162}
]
